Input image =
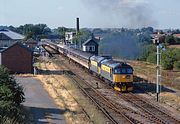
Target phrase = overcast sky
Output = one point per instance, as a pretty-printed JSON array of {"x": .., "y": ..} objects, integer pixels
[{"x": 92, "y": 13}]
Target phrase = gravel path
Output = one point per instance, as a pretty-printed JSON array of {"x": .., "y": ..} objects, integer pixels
[{"x": 41, "y": 105}]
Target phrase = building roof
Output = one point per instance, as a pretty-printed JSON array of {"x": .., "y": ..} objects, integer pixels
[
  {"x": 17, "y": 43},
  {"x": 12, "y": 35},
  {"x": 177, "y": 35},
  {"x": 89, "y": 40},
  {"x": 31, "y": 41}
]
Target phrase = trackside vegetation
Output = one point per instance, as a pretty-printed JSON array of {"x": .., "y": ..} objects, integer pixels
[
  {"x": 11, "y": 97},
  {"x": 170, "y": 57}
]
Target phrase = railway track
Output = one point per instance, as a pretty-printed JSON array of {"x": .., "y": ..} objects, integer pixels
[
  {"x": 155, "y": 112},
  {"x": 115, "y": 115},
  {"x": 114, "y": 112},
  {"x": 110, "y": 111},
  {"x": 148, "y": 113}
]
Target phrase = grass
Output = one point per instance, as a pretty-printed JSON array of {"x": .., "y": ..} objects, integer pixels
[
  {"x": 148, "y": 72},
  {"x": 65, "y": 100}
]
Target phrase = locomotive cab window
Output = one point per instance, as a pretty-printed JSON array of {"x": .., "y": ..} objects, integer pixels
[
  {"x": 117, "y": 71},
  {"x": 123, "y": 71},
  {"x": 129, "y": 71}
]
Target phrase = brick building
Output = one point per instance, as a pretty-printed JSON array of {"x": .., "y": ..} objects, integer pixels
[{"x": 17, "y": 58}]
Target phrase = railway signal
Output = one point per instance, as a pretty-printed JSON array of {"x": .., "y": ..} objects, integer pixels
[{"x": 158, "y": 67}]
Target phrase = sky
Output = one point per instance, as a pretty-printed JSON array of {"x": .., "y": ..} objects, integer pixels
[{"x": 160, "y": 14}]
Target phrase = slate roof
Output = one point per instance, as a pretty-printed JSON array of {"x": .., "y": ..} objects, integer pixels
[
  {"x": 89, "y": 40},
  {"x": 12, "y": 35}
]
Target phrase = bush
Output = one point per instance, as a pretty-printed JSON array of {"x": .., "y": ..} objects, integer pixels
[
  {"x": 152, "y": 58},
  {"x": 167, "y": 64},
  {"x": 11, "y": 95},
  {"x": 177, "y": 54},
  {"x": 170, "y": 39},
  {"x": 168, "y": 59},
  {"x": 177, "y": 65}
]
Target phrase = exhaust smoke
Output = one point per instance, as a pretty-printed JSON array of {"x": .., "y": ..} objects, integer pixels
[{"x": 121, "y": 13}]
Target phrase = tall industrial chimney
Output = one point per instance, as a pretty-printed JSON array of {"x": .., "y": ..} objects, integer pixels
[{"x": 77, "y": 25}]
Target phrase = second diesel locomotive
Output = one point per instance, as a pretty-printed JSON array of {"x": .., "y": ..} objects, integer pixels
[{"x": 118, "y": 74}]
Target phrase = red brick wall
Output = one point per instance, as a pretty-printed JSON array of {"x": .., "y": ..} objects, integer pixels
[{"x": 17, "y": 59}]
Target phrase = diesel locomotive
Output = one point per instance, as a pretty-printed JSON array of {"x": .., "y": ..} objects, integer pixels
[{"x": 118, "y": 74}]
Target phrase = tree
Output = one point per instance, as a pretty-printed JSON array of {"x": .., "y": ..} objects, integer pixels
[
  {"x": 168, "y": 59},
  {"x": 61, "y": 30},
  {"x": 148, "y": 29},
  {"x": 32, "y": 31},
  {"x": 170, "y": 39},
  {"x": 81, "y": 37},
  {"x": 152, "y": 57},
  {"x": 177, "y": 65},
  {"x": 11, "y": 96}
]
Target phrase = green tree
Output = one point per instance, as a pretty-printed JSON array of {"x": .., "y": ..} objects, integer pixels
[
  {"x": 168, "y": 59},
  {"x": 152, "y": 58},
  {"x": 81, "y": 37},
  {"x": 177, "y": 65},
  {"x": 169, "y": 40},
  {"x": 177, "y": 40},
  {"x": 11, "y": 96},
  {"x": 61, "y": 31},
  {"x": 32, "y": 31}
]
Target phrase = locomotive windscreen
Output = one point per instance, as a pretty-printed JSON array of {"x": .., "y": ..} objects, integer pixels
[{"x": 123, "y": 71}]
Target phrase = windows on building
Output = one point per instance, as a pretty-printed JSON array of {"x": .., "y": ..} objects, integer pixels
[{"x": 90, "y": 48}]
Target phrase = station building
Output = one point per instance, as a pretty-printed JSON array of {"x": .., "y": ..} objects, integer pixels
[{"x": 91, "y": 46}]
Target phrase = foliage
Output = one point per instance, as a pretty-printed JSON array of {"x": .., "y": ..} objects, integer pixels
[
  {"x": 32, "y": 31},
  {"x": 170, "y": 39},
  {"x": 177, "y": 65},
  {"x": 176, "y": 31},
  {"x": 169, "y": 58},
  {"x": 152, "y": 58},
  {"x": 11, "y": 96},
  {"x": 177, "y": 40},
  {"x": 81, "y": 37},
  {"x": 61, "y": 31}
]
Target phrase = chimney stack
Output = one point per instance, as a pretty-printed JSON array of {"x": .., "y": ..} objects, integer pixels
[{"x": 77, "y": 25}]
